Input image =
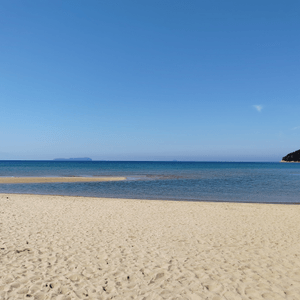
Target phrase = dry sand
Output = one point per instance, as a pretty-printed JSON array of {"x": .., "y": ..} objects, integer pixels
[
  {"x": 54, "y": 247},
  {"x": 56, "y": 179}
]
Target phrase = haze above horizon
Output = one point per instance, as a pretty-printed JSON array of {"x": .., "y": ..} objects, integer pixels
[{"x": 149, "y": 80}]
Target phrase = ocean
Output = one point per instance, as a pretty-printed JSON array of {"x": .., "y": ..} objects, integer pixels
[{"x": 190, "y": 181}]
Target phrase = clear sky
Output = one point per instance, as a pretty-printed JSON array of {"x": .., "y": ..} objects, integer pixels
[{"x": 149, "y": 79}]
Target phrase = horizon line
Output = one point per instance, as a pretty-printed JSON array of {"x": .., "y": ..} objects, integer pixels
[{"x": 108, "y": 160}]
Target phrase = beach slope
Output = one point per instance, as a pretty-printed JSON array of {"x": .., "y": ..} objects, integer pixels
[{"x": 55, "y": 247}]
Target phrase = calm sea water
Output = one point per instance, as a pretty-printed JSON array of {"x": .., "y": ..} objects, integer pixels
[{"x": 194, "y": 181}]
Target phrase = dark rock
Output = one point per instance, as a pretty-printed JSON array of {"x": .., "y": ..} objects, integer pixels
[{"x": 292, "y": 157}]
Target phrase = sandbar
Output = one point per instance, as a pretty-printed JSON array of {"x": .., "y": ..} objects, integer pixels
[
  {"x": 56, "y": 179},
  {"x": 61, "y": 247}
]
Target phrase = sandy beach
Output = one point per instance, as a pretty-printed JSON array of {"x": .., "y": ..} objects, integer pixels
[
  {"x": 58, "y": 247},
  {"x": 56, "y": 179}
]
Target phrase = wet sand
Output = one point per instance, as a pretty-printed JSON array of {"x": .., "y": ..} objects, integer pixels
[
  {"x": 59, "y": 247},
  {"x": 56, "y": 179}
]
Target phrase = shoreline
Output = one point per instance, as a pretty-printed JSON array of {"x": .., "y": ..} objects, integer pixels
[
  {"x": 12, "y": 180},
  {"x": 89, "y": 248},
  {"x": 148, "y": 199}
]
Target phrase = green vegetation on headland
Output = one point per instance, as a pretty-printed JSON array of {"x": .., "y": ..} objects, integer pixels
[{"x": 292, "y": 157}]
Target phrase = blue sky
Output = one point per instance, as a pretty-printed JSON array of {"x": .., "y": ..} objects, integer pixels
[{"x": 149, "y": 80}]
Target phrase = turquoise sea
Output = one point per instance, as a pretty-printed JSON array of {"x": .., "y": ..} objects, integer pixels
[{"x": 191, "y": 181}]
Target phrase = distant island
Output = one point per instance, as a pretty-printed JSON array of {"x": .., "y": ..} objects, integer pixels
[
  {"x": 74, "y": 159},
  {"x": 292, "y": 157}
]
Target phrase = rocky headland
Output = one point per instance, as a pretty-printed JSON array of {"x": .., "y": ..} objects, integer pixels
[{"x": 292, "y": 157}]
